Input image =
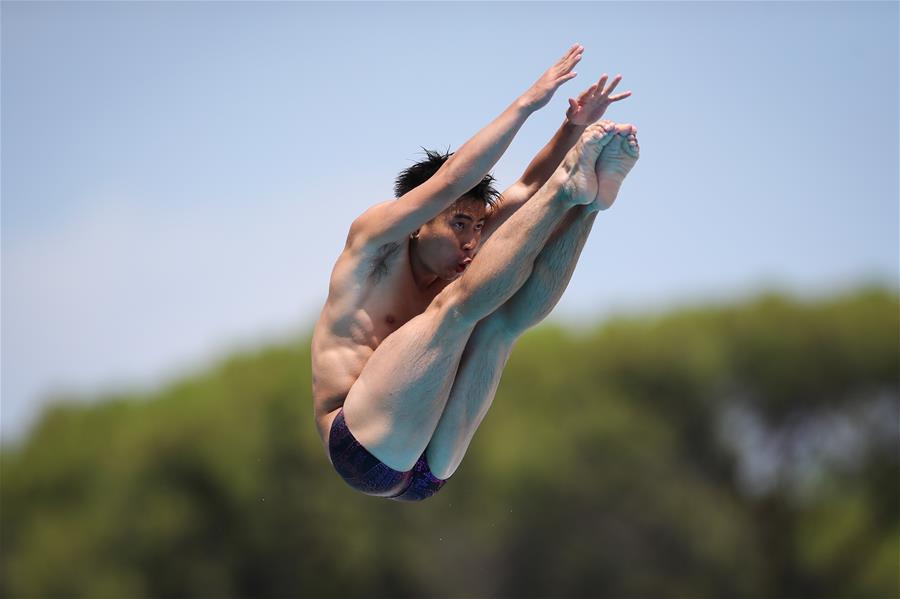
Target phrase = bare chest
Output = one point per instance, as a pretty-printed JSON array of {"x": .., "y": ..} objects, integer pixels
[
  {"x": 392, "y": 299},
  {"x": 365, "y": 308}
]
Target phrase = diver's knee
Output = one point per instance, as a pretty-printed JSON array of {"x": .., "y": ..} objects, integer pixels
[
  {"x": 441, "y": 464},
  {"x": 452, "y": 308},
  {"x": 512, "y": 320}
]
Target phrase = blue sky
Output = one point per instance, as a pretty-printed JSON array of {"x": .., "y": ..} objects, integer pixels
[{"x": 178, "y": 178}]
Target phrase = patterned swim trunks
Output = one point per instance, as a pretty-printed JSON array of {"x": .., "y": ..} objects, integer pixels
[{"x": 367, "y": 474}]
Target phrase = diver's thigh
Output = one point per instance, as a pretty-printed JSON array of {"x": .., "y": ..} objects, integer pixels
[{"x": 394, "y": 406}]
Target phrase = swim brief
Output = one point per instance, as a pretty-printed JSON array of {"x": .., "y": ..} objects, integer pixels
[{"x": 367, "y": 474}]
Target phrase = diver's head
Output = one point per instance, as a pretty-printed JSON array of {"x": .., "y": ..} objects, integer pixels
[{"x": 447, "y": 243}]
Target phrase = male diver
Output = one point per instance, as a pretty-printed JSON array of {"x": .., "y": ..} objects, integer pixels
[{"x": 433, "y": 288}]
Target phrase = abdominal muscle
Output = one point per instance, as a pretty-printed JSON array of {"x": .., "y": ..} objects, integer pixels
[
  {"x": 335, "y": 367},
  {"x": 347, "y": 334},
  {"x": 338, "y": 358}
]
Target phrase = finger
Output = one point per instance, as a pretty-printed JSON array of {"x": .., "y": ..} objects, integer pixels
[
  {"x": 574, "y": 51},
  {"x": 573, "y": 60},
  {"x": 618, "y": 97},
  {"x": 572, "y": 103},
  {"x": 613, "y": 85},
  {"x": 574, "y": 56},
  {"x": 588, "y": 92},
  {"x": 602, "y": 82},
  {"x": 569, "y": 52},
  {"x": 563, "y": 78}
]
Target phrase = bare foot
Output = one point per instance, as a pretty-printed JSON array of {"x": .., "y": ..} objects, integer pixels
[
  {"x": 579, "y": 165},
  {"x": 616, "y": 160}
]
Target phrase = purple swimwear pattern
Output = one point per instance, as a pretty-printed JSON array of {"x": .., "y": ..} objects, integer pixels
[{"x": 367, "y": 474}]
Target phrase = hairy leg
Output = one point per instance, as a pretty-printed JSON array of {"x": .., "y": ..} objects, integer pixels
[
  {"x": 489, "y": 347},
  {"x": 490, "y": 344},
  {"x": 394, "y": 406}
]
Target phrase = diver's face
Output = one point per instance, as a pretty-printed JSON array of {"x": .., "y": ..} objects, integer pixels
[{"x": 447, "y": 243}]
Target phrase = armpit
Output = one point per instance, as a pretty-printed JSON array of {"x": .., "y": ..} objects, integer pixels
[{"x": 380, "y": 262}]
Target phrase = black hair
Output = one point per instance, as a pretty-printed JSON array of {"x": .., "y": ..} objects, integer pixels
[{"x": 423, "y": 170}]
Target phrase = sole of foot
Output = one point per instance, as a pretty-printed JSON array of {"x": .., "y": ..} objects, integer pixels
[
  {"x": 616, "y": 160},
  {"x": 580, "y": 163}
]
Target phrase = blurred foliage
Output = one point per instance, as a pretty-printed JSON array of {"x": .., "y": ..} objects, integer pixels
[{"x": 738, "y": 451}]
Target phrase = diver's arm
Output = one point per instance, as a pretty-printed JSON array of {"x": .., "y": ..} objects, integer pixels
[
  {"x": 545, "y": 162},
  {"x": 396, "y": 219},
  {"x": 590, "y": 105}
]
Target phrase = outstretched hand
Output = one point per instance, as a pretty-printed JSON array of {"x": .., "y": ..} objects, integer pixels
[
  {"x": 593, "y": 101},
  {"x": 539, "y": 94}
]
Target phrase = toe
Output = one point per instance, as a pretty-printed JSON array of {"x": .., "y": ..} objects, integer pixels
[
  {"x": 594, "y": 133},
  {"x": 607, "y": 125},
  {"x": 633, "y": 148}
]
